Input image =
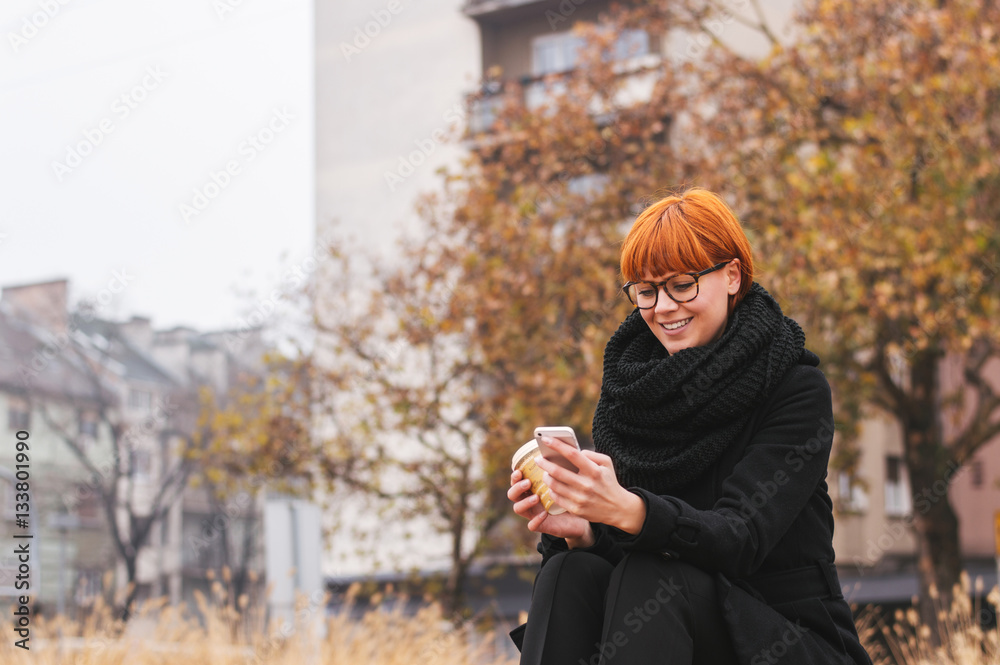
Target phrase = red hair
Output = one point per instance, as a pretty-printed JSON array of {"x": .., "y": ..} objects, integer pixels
[{"x": 686, "y": 233}]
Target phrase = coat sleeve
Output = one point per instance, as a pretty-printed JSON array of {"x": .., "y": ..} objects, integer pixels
[
  {"x": 605, "y": 545},
  {"x": 781, "y": 468}
]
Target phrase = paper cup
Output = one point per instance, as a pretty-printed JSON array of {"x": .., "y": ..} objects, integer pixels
[{"x": 524, "y": 459}]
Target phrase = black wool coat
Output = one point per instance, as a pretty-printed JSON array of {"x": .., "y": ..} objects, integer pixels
[{"x": 761, "y": 520}]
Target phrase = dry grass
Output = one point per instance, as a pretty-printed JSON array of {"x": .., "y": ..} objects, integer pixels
[
  {"x": 385, "y": 635},
  {"x": 157, "y": 635},
  {"x": 906, "y": 641}
]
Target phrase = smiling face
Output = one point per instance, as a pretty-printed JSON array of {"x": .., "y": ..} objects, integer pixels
[
  {"x": 699, "y": 321},
  {"x": 689, "y": 233}
]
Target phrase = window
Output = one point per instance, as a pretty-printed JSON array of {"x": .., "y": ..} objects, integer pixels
[
  {"x": 631, "y": 44},
  {"x": 897, "y": 487},
  {"x": 88, "y": 507},
  {"x": 88, "y": 424},
  {"x": 851, "y": 496},
  {"x": 141, "y": 465},
  {"x": 560, "y": 52},
  {"x": 201, "y": 544},
  {"x": 18, "y": 414},
  {"x": 140, "y": 399},
  {"x": 551, "y": 54},
  {"x": 977, "y": 473},
  {"x": 88, "y": 586}
]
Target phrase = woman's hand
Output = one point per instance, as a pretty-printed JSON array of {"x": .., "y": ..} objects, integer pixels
[
  {"x": 575, "y": 530},
  {"x": 594, "y": 493}
]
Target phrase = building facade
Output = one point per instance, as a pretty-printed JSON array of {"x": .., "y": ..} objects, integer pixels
[
  {"x": 76, "y": 384},
  {"x": 490, "y": 44}
]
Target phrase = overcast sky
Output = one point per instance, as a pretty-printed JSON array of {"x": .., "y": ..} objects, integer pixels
[{"x": 166, "y": 145}]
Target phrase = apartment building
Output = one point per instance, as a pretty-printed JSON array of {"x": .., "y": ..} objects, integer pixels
[{"x": 59, "y": 371}]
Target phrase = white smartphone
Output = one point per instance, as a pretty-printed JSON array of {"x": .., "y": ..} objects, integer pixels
[{"x": 563, "y": 434}]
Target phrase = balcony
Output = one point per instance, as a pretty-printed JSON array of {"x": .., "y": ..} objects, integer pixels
[
  {"x": 537, "y": 91},
  {"x": 501, "y": 11}
]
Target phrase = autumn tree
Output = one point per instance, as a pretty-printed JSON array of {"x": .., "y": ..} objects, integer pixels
[
  {"x": 253, "y": 436},
  {"x": 873, "y": 193},
  {"x": 860, "y": 153},
  {"x": 401, "y": 419},
  {"x": 138, "y": 456},
  {"x": 542, "y": 204},
  {"x": 138, "y": 468}
]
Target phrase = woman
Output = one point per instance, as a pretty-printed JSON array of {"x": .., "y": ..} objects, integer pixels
[{"x": 700, "y": 530}]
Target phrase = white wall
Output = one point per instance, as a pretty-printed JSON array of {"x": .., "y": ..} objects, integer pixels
[
  {"x": 383, "y": 105},
  {"x": 293, "y": 549},
  {"x": 377, "y": 103}
]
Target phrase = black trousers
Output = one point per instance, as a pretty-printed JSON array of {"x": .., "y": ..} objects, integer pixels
[{"x": 647, "y": 609}]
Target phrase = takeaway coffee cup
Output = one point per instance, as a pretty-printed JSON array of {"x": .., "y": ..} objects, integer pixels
[{"x": 524, "y": 459}]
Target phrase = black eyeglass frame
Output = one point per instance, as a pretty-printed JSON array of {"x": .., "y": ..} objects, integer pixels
[{"x": 661, "y": 285}]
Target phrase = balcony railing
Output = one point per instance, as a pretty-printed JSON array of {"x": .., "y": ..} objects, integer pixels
[{"x": 487, "y": 8}]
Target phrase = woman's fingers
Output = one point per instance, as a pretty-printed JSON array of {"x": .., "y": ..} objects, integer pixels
[
  {"x": 526, "y": 503},
  {"x": 568, "y": 499},
  {"x": 535, "y": 522},
  {"x": 570, "y": 452},
  {"x": 600, "y": 459},
  {"x": 559, "y": 475},
  {"x": 518, "y": 489},
  {"x": 528, "y": 507}
]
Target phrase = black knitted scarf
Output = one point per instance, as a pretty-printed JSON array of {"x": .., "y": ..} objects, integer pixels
[{"x": 665, "y": 418}]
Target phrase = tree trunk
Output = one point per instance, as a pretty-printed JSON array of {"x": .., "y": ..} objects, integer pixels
[
  {"x": 131, "y": 564},
  {"x": 455, "y": 586},
  {"x": 930, "y": 469}
]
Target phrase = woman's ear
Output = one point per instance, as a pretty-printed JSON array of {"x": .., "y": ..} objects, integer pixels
[{"x": 734, "y": 276}]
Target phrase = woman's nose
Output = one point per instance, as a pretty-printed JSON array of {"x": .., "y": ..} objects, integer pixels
[{"x": 664, "y": 302}]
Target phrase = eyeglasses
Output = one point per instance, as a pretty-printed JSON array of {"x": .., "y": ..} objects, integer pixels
[{"x": 680, "y": 288}]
